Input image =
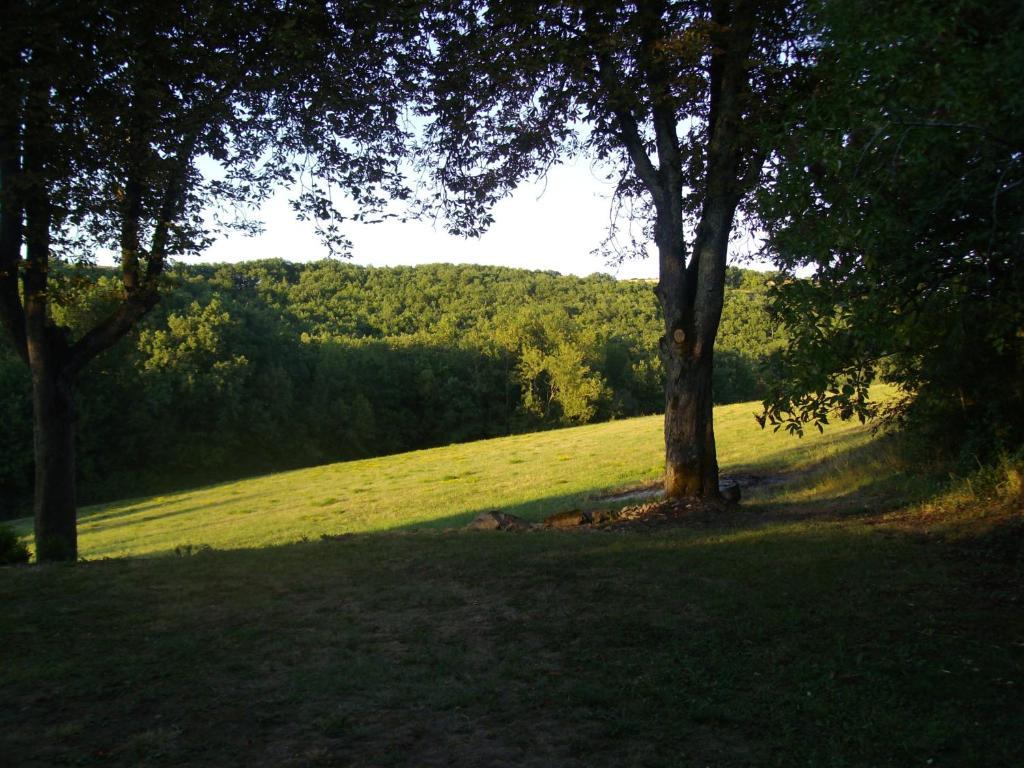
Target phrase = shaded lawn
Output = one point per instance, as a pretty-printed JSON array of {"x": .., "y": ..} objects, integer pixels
[{"x": 786, "y": 644}]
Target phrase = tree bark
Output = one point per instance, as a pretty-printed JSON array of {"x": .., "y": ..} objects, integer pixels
[
  {"x": 46, "y": 348},
  {"x": 691, "y": 464},
  {"x": 52, "y": 401},
  {"x": 692, "y": 296},
  {"x": 692, "y": 300},
  {"x": 687, "y": 350},
  {"x": 54, "y": 428},
  {"x": 690, "y": 292}
]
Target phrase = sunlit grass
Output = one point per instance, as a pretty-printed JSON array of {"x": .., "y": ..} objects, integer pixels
[{"x": 529, "y": 475}]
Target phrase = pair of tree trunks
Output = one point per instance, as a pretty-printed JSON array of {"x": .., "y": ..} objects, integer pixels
[
  {"x": 691, "y": 300},
  {"x": 720, "y": 165}
]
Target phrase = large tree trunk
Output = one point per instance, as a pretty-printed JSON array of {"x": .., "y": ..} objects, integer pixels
[
  {"x": 691, "y": 299},
  {"x": 691, "y": 464},
  {"x": 30, "y": 172},
  {"x": 47, "y": 354},
  {"x": 54, "y": 428},
  {"x": 691, "y": 294}
]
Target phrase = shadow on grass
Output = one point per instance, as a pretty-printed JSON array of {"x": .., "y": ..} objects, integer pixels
[
  {"x": 130, "y": 516},
  {"x": 799, "y": 453},
  {"x": 859, "y": 480},
  {"x": 798, "y": 645}
]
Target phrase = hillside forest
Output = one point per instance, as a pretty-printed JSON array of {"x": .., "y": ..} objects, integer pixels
[{"x": 269, "y": 365}]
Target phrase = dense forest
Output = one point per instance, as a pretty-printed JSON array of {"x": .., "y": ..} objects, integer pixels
[{"x": 266, "y": 365}]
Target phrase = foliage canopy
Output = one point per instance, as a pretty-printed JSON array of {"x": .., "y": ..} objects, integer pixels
[{"x": 901, "y": 184}]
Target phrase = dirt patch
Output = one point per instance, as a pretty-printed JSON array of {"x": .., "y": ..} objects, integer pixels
[
  {"x": 653, "y": 512},
  {"x": 670, "y": 513},
  {"x": 644, "y": 509},
  {"x": 663, "y": 513},
  {"x": 760, "y": 481},
  {"x": 654, "y": 490},
  {"x": 632, "y": 494}
]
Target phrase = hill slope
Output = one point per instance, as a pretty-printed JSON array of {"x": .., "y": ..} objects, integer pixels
[{"x": 529, "y": 475}]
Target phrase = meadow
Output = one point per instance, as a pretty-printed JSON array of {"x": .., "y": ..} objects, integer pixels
[
  {"x": 834, "y": 618},
  {"x": 528, "y": 475}
]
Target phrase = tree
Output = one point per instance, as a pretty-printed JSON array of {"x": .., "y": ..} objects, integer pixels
[
  {"x": 670, "y": 95},
  {"x": 902, "y": 185},
  {"x": 110, "y": 110}
]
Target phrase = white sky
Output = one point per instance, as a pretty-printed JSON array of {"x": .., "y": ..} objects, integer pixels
[{"x": 547, "y": 225}]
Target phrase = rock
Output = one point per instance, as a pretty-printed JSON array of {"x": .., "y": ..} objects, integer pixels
[
  {"x": 486, "y": 521},
  {"x": 602, "y": 516},
  {"x": 336, "y": 536},
  {"x": 498, "y": 521},
  {"x": 731, "y": 493},
  {"x": 569, "y": 519},
  {"x": 513, "y": 523}
]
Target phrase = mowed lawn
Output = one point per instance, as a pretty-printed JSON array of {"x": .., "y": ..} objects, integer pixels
[
  {"x": 801, "y": 630},
  {"x": 529, "y": 475}
]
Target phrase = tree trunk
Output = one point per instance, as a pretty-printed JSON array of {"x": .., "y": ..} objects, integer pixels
[
  {"x": 691, "y": 300},
  {"x": 54, "y": 426},
  {"x": 691, "y": 464}
]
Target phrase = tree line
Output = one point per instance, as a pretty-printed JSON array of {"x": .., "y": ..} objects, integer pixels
[{"x": 261, "y": 366}]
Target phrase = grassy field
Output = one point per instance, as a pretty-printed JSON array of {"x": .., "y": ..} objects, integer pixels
[
  {"x": 529, "y": 475},
  {"x": 822, "y": 624}
]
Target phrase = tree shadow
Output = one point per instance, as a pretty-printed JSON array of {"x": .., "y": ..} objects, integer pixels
[{"x": 430, "y": 647}]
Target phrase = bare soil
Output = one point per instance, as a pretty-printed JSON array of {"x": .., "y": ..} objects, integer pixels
[{"x": 652, "y": 513}]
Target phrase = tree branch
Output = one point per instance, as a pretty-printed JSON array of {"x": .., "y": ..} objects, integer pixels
[
  {"x": 142, "y": 291},
  {"x": 630, "y": 133},
  {"x": 110, "y": 330},
  {"x": 724, "y": 183},
  {"x": 131, "y": 214},
  {"x": 611, "y": 79},
  {"x": 660, "y": 94},
  {"x": 12, "y": 314},
  {"x": 141, "y": 298},
  {"x": 45, "y": 342}
]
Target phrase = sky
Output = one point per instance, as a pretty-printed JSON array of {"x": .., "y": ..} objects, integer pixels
[{"x": 554, "y": 224}]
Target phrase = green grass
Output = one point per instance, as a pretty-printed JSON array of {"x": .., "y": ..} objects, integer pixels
[
  {"x": 529, "y": 475},
  {"x": 801, "y": 630}
]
